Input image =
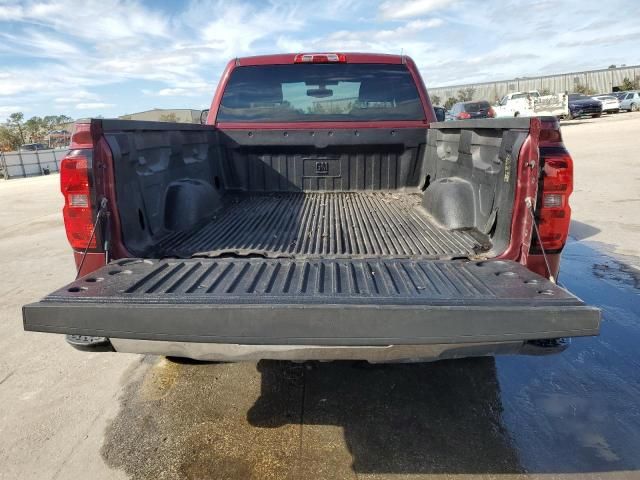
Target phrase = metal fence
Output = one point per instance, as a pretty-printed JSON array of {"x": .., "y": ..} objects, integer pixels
[
  {"x": 30, "y": 164},
  {"x": 601, "y": 81}
]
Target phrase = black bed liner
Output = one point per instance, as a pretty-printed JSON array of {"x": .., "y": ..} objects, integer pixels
[
  {"x": 324, "y": 224},
  {"x": 318, "y": 302}
]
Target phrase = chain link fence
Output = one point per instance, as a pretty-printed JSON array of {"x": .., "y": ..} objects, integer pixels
[{"x": 30, "y": 164}]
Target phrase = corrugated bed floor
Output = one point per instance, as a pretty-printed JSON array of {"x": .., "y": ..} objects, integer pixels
[{"x": 322, "y": 225}]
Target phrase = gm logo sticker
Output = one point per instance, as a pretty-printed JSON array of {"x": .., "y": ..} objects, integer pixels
[{"x": 322, "y": 168}]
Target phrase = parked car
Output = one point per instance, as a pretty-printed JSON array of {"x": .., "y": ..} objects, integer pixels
[
  {"x": 582, "y": 106},
  {"x": 320, "y": 214},
  {"x": 610, "y": 104},
  {"x": 441, "y": 113},
  {"x": 532, "y": 104},
  {"x": 32, "y": 147},
  {"x": 631, "y": 101},
  {"x": 471, "y": 110}
]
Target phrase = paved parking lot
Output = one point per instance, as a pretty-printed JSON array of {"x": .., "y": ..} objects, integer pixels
[{"x": 67, "y": 414}]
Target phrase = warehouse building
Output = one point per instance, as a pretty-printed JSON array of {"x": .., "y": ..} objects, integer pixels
[
  {"x": 600, "y": 81},
  {"x": 181, "y": 115}
]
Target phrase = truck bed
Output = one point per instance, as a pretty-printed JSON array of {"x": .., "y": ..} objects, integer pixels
[
  {"x": 368, "y": 246},
  {"x": 323, "y": 225}
]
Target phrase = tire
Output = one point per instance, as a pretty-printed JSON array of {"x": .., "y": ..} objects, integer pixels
[
  {"x": 634, "y": 107},
  {"x": 597, "y": 115}
]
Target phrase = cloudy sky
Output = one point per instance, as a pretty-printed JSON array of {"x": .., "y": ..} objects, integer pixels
[{"x": 110, "y": 57}]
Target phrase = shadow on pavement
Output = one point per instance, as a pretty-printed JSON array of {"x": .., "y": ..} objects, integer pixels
[
  {"x": 441, "y": 417},
  {"x": 582, "y": 231}
]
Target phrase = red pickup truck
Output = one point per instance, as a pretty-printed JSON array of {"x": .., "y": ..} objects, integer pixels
[{"x": 320, "y": 213}]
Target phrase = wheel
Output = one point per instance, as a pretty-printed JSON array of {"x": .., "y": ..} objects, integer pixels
[
  {"x": 597, "y": 115},
  {"x": 634, "y": 107}
]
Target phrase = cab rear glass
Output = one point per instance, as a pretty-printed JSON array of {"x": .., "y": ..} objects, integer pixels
[
  {"x": 320, "y": 92},
  {"x": 476, "y": 107}
]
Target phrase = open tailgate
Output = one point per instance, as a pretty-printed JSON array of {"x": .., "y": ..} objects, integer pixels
[{"x": 314, "y": 302}]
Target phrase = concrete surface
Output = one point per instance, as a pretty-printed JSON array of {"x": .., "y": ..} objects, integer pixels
[
  {"x": 66, "y": 414},
  {"x": 606, "y": 197}
]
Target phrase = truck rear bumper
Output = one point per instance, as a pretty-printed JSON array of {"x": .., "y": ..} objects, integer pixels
[{"x": 225, "y": 352}]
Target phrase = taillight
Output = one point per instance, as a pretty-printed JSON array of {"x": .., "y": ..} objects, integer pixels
[
  {"x": 77, "y": 211},
  {"x": 491, "y": 113},
  {"x": 320, "y": 58},
  {"x": 463, "y": 116},
  {"x": 554, "y": 212}
]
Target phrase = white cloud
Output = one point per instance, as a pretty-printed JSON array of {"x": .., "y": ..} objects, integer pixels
[
  {"x": 59, "y": 54},
  {"x": 31, "y": 43},
  {"x": 93, "y": 106},
  {"x": 10, "y": 12},
  {"x": 91, "y": 20},
  {"x": 169, "y": 92},
  {"x": 76, "y": 96},
  {"x": 411, "y": 37},
  {"x": 397, "y": 9},
  {"x": 233, "y": 29},
  {"x": 431, "y": 23},
  {"x": 6, "y": 110}
]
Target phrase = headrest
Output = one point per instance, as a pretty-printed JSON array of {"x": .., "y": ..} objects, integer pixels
[
  {"x": 244, "y": 95},
  {"x": 374, "y": 90}
]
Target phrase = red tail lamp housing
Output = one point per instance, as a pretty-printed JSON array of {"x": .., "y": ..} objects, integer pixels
[
  {"x": 554, "y": 212},
  {"x": 77, "y": 211},
  {"x": 463, "y": 116}
]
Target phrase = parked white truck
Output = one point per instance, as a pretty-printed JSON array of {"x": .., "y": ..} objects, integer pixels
[{"x": 532, "y": 104}]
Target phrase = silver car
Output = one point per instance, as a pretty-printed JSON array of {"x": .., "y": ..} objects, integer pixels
[
  {"x": 610, "y": 104},
  {"x": 631, "y": 101}
]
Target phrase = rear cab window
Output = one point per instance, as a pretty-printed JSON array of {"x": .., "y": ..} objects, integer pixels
[
  {"x": 476, "y": 107},
  {"x": 320, "y": 92}
]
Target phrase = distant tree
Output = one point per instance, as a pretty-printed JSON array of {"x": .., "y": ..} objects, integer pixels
[
  {"x": 36, "y": 129},
  {"x": 54, "y": 122},
  {"x": 451, "y": 101},
  {"x": 169, "y": 117},
  {"x": 546, "y": 91},
  {"x": 16, "y": 131},
  {"x": 317, "y": 107},
  {"x": 612, "y": 66},
  {"x": 15, "y": 121},
  {"x": 466, "y": 94},
  {"x": 584, "y": 89},
  {"x": 9, "y": 139},
  {"x": 435, "y": 99},
  {"x": 628, "y": 84}
]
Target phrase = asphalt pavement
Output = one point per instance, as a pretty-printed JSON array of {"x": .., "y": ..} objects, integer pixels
[{"x": 67, "y": 414}]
